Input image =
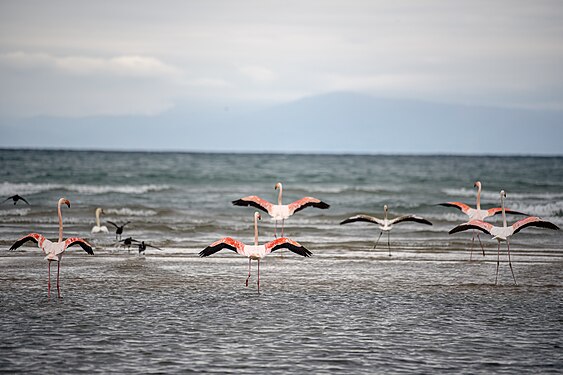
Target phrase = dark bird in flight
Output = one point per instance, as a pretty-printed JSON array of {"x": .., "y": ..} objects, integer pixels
[
  {"x": 16, "y": 198},
  {"x": 118, "y": 229},
  {"x": 143, "y": 246}
]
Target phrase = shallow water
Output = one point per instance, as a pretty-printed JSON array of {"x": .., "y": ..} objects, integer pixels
[
  {"x": 347, "y": 309},
  {"x": 125, "y": 313}
]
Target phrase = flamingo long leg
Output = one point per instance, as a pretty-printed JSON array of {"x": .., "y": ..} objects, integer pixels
[
  {"x": 275, "y": 228},
  {"x": 472, "y": 242},
  {"x": 376, "y": 242},
  {"x": 480, "y": 243},
  {"x": 258, "y": 276},
  {"x": 498, "y": 261},
  {"x": 389, "y": 243},
  {"x": 249, "y": 260},
  {"x": 509, "y": 262},
  {"x": 58, "y": 275},
  {"x": 283, "y": 224},
  {"x": 49, "y": 280}
]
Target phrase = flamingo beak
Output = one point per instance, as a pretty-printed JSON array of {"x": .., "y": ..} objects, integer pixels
[{"x": 67, "y": 202}]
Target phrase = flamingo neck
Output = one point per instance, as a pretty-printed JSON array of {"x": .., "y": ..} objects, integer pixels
[
  {"x": 98, "y": 218},
  {"x": 479, "y": 197},
  {"x": 60, "y": 221},
  {"x": 280, "y": 195},
  {"x": 255, "y": 231},
  {"x": 503, "y": 212}
]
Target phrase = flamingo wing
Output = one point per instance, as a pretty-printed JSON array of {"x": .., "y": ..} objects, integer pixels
[
  {"x": 498, "y": 210},
  {"x": 533, "y": 221},
  {"x": 254, "y": 201},
  {"x": 125, "y": 224},
  {"x": 460, "y": 206},
  {"x": 306, "y": 202},
  {"x": 286, "y": 243},
  {"x": 414, "y": 218},
  {"x": 366, "y": 218},
  {"x": 224, "y": 243},
  {"x": 473, "y": 224},
  {"x": 39, "y": 239},
  {"x": 73, "y": 241}
]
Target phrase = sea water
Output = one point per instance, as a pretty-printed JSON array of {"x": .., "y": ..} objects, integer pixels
[{"x": 349, "y": 308}]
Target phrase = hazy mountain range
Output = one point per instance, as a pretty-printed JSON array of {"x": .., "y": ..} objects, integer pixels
[{"x": 337, "y": 122}]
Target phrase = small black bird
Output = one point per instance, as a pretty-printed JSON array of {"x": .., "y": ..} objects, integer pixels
[
  {"x": 143, "y": 246},
  {"x": 128, "y": 242},
  {"x": 118, "y": 228},
  {"x": 16, "y": 198}
]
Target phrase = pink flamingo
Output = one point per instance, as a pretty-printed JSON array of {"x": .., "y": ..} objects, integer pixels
[
  {"x": 478, "y": 214},
  {"x": 505, "y": 232},
  {"x": 255, "y": 252},
  {"x": 280, "y": 211},
  {"x": 54, "y": 250}
]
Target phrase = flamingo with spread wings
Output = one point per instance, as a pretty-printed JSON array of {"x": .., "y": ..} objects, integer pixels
[
  {"x": 385, "y": 224},
  {"x": 478, "y": 214},
  {"x": 505, "y": 232},
  {"x": 255, "y": 252},
  {"x": 54, "y": 250},
  {"x": 280, "y": 211}
]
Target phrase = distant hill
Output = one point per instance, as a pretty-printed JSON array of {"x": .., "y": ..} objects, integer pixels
[{"x": 337, "y": 122}]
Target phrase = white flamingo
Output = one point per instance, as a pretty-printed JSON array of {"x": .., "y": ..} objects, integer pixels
[
  {"x": 478, "y": 214},
  {"x": 505, "y": 232},
  {"x": 280, "y": 211},
  {"x": 99, "y": 228},
  {"x": 255, "y": 252},
  {"x": 54, "y": 250},
  {"x": 385, "y": 224}
]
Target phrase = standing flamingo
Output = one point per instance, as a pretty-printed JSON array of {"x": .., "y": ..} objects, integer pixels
[
  {"x": 99, "y": 228},
  {"x": 505, "y": 232},
  {"x": 280, "y": 211},
  {"x": 255, "y": 252},
  {"x": 55, "y": 250},
  {"x": 478, "y": 214},
  {"x": 386, "y": 225}
]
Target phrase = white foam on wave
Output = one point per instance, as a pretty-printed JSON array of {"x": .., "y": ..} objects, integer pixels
[
  {"x": 494, "y": 196},
  {"x": 8, "y": 188},
  {"x": 15, "y": 212},
  {"x": 129, "y": 212}
]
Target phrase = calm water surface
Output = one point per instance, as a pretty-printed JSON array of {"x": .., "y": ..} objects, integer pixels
[{"x": 347, "y": 309}]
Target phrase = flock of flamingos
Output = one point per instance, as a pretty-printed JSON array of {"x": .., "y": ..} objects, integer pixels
[{"x": 280, "y": 212}]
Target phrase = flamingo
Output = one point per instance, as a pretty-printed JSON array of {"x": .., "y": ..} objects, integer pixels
[
  {"x": 255, "y": 252},
  {"x": 478, "y": 214},
  {"x": 16, "y": 198},
  {"x": 54, "y": 250},
  {"x": 99, "y": 228},
  {"x": 118, "y": 228},
  {"x": 385, "y": 225},
  {"x": 280, "y": 211},
  {"x": 505, "y": 232}
]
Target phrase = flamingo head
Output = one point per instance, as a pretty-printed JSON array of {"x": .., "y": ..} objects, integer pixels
[
  {"x": 477, "y": 184},
  {"x": 385, "y": 208},
  {"x": 278, "y": 186},
  {"x": 100, "y": 211},
  {"x": 502, "y": 194},
  {"x": 64, "y": 201},
  {"x": 257, "y": 216}
]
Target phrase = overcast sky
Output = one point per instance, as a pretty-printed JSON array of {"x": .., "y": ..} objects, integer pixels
[{"x": 85, "y": 58}]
